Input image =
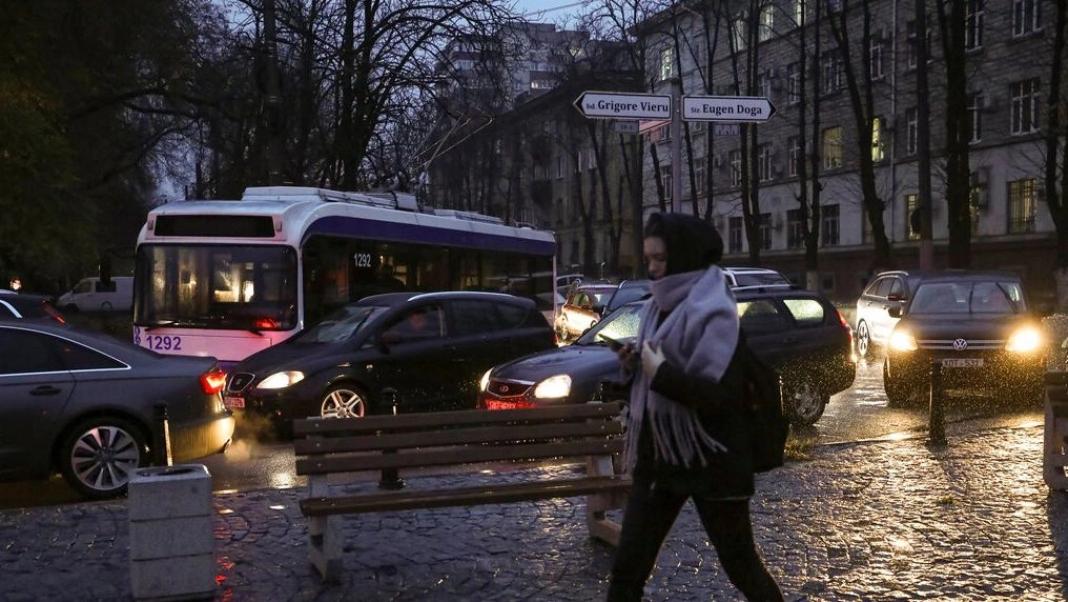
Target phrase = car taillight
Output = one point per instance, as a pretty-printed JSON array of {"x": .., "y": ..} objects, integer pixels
[
  {"x": 212, "y": 381},
  {"x": 53, "y": 313},
  {"x": 265, "y": 324}
]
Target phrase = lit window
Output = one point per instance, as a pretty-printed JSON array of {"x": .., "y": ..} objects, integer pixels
[
  {"x": 1026, "y": 17},
  {"x": 832, "y": 148},
  {"x": 878, "y": 145},
  {"x": 767, "y": 23},
  {"x": 1022, "y": 206},
  {"x": 912, "y": 124},
  {"x": 667, "y": 63},
  {"x": 975, "y": 112},
  {"x": 912, "y": 205}
]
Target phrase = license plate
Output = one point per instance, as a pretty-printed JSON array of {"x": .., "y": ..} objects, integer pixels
[
  {"x": 962, "y": 363},
  {"x": 234, "y": 403},
  {"x": 500, "y": 405}
]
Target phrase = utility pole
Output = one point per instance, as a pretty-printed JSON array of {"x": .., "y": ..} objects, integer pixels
[
  {"x": 676, "y": 144},
  {"x": 923, "y": 139}
]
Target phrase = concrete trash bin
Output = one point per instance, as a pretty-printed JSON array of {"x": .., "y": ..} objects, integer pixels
[
  {"x": 1055, "y": 440},
  {"x": 171, "y": 541}
]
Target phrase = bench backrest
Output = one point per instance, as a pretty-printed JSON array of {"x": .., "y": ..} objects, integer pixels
[{"x": 330, "y": 445}]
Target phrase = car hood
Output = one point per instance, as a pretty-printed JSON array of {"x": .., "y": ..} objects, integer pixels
[
  {"x": 963, "y": 326},
  {"x": 578, "y": 361},
  {"x": 289, "y": 356}
]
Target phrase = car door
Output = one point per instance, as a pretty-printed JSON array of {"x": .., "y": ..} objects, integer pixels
[
  {"x": 476, "y": 343},
  {"x": 864, "y": 305},
  {"x": 815, "y": 337},
  {"x": 415, "y": 360},
  {"x": 895, "y": 298},
  {"x": 879, "y": 312},
  {"x": 34, "y": 390}
]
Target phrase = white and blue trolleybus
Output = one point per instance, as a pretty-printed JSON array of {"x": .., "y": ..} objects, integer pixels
[{"x": 230, "y": 278}]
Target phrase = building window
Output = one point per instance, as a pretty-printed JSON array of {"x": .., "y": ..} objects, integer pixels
[
  {"x": 765, "y": 231},
  {"x": 878, "y": 144},
  {"x": 833, "y": 69},
  {"x": 973, "y": 24},
  {"x": 793, "y": 83},
  {"x": 559, "y": 167},
  {"x": 912, "y": 222},
  {"x": 1026, "y": 15},
  {"x": 832, "y": 148},
  {"x": 794, "y": 144},
  {"x": 829, "y": 228},
  {"x": 1022, "y": 206},
  {"x": 764, "y": 84},
  {"x": 1025, "y": 106},
  {"x": 736, "y": 168},
  {"x": 665, "y": 177},
  {"x": 799, "y": 12},
  {"x": 877, "y": 61},
  {"x": 734, "y": 235},
  {"x": 795, "y": 238},
  {"x": 764, "y": 162},
  {"x": 738, "y": 29},
  {"x": 767, "y": 23},
  {"x": 912, "y": 125},
  {"x": 914, "y": 50},
  {"x": 667, "y": 63},
  {"x": 700, "y": 175},
  {"x": 976, "y": 198},
  {"x": 975, "y": 113}
]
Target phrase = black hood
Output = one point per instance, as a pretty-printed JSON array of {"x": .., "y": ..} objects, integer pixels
[
  {"x": 964, "y": 326},
  {"x": 691, "y": 243},
  {"x": 587, "y": 365},
  {"x": 290, "y": 356}
]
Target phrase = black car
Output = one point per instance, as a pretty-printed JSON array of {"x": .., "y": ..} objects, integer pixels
[
  {"x": 82, "y": 404},
  {"x": 798, "y": 332},
  {"x": 22, "y": 306},
  {"x": 978, "y": 326},
  {"x": 419, "y": 351}
]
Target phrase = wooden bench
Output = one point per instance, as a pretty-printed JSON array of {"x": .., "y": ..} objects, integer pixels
[{"x": 447, "y": 439}]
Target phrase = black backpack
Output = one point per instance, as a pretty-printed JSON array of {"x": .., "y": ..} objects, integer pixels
[{"x": 769, "y": 425}]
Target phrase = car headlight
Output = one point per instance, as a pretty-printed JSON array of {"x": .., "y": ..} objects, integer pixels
[
  {"x": 281, "y": 380},
  {"x": 553, "y": 387},
  {"x": 1025, "y": 340},
  {"x": 902, "y": 340},
  {"x": 483, "y": 383}
]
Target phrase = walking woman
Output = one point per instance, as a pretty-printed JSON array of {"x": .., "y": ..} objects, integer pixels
[{"x": 688, "y": 435}]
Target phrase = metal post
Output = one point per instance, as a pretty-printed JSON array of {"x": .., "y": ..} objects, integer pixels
[
  {"x": 676, "y": 145},
  {"x": 161, "y": 452},
  {"x": 936, "y": 429},
  {"x": 390, "y": 478}
]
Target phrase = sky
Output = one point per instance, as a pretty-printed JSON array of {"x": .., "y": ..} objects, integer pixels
[{"x": 555, "y": 9}]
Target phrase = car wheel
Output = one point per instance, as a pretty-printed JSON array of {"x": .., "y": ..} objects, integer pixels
[
  {"x": 98, "y": 456},
  {"x": 804, "y": 402},
  {"x": 343, "y": 401},
  {"x": 863, "y": 341},
  {"x": 105, "y": 306}
]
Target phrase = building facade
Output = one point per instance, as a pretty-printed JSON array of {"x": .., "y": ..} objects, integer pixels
[{"x": 1008, "y": 69}]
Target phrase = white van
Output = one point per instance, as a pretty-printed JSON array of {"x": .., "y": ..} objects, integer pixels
[{"x": 90, "y": 295}]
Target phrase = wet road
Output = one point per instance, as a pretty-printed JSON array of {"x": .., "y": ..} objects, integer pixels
[{"x": 860, "y": 413}]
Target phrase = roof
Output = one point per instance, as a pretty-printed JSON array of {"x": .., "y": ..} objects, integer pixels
[{"x": 395, "y": 299}]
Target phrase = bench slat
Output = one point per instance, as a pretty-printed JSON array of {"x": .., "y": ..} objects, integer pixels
[
  {"x": 460, "y": 455},
  {"x": 459, "y": 436},
  {"x": 465, "y": 496},
  {"x": 430, "y": 420}
]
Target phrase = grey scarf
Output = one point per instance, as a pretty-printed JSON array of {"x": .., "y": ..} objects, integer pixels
[{"x": 698, "y": 336}]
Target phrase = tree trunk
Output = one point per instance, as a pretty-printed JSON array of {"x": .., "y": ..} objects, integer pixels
[
  {"x": 661, "y": 199},
  {"x": 812, "y": 221},
  {"x": 273, "y": 96},
  {"x": 958, "y": 134},
  {"x": 923, "y": 139}
]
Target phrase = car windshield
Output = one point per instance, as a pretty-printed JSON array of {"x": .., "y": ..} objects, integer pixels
[
  {"x": 620, "y": 325},
  {"x": 626, "y": 294},
  {"x": 340, "y": 325},
  {"x": 968, "y": 298}
]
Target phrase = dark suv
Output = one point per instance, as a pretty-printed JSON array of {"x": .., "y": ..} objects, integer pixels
[
  {"x": 423, "y": 351},
  {"x": 978, "y": 326},
  {"x": 799, "y": 332}
]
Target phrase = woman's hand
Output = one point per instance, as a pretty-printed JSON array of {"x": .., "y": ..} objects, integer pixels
[
  {"x": 628, "y": 357},
  {"x": 652, "y": 357}
]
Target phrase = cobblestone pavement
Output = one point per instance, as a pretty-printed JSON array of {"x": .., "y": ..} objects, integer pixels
[{"x": 873, "y": 521}]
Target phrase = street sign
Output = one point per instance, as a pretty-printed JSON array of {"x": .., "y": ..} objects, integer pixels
[
  {"x": 625, "y": 127},
  {"x": 613, "y": 105},
  {"x": 749, "y": 109}
]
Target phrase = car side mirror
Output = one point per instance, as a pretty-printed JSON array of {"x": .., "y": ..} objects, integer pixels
[{"x": 895, "y": 312}]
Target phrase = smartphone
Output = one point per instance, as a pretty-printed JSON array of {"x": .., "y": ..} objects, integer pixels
[{"x": 613, "y": 343}]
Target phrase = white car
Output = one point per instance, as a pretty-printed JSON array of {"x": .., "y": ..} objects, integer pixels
[
  {"x": 874, "y": 324},
  {"x": 90, "y": 294},
  {"x": 741, "y": 279}
]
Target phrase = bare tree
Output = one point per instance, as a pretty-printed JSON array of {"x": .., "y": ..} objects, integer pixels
[
  {"x": 1056, "y": 184},
  {"x": 958, "y": 132},
  {"x": 862, "y": 99}
]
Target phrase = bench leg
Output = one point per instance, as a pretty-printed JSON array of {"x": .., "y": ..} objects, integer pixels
[{"x": 324, "y": 546}]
